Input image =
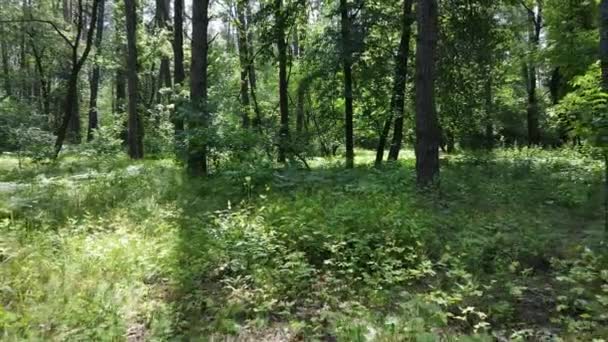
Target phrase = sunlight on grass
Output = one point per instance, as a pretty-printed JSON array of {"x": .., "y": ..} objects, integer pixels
[{"x": 140, "y": 248}]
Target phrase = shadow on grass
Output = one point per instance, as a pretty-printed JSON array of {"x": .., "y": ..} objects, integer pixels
[{"x": 255, "y": 249}]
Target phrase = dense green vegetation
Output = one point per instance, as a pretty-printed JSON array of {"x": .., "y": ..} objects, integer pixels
[
  {"x": 272, "y": 255},
  {"x": 303, "y": 170}
]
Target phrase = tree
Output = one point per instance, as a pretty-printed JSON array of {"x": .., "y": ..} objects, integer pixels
[
  {"x": 398, "y": 97},
  {"x": 135, "y": 133},
  {"x": 198, "y": 121},
  {"x": 535, "y": 17},
  {"x": 427, "y": 128},
  {"x": 244, "y": 59},
  {"x": 604, "y": 67},
  {"x": 94, "y": 83},
  {"x": 77, "y": 62},
  {"x": 162, "y": 23},
  {"x": 283, "y": 96},
  {"x": 348, "y": 83}
]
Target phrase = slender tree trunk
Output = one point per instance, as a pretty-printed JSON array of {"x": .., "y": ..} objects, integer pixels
[
  {"x": 604, "y": 67},
  {"x": 135, "y": 137},
  {"x": 162, "y": 16},
  {"x": 178, "y": 42},
  {"x": 348, "y": 84},
  {"x": 44, "y": 83},
  {"x": 427, "y": 127},
  {"x": 197, "y": 153},
  {"x": 532, "y": 110},
  {"x": 398, "y": 99},
  {"x": 244, "y": 61},
  {"x": 489, "y": 109},
  {"x": 179, "y": 75},
  {"x": 257, "y": 121},
  {"x": 283, "y": 96},
  {"x": 71, "y": 100},
  {"x": 6, "y": 73},
  {"x": 604, "y": 43},
  {"x": 94, "y": 84}
]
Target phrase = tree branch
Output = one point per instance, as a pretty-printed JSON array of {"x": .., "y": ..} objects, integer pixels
[{"x": 48, "y": 22}]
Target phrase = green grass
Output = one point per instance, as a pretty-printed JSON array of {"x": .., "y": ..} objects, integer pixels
[{"x": 267, "y": 254}]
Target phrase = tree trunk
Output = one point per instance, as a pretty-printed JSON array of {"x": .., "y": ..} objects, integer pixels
[
  {"x": 244, "y": 61},
  {"x": 44, "y": 83},
  {"x": 257, "y": 121},
  {"x": 135, "y": 135},
  {"x": 348, "y": 84},
  {"x": 398, "y": 99},
  {"x": 427, "y": 128},
  {"x": 71, "y": 100},
  {"x": 162, "y": 17},
  {"x": 283, "y": 96},
  {"x": 604, "y": 67},
  {"x": 197, "y": 149},
  {"x": 489, "y": 133},
  {"x": 94, "y": 84},
  {"x": 604, "y": 43},
  {"x": 6, "y": 73},
  {"x": 532, "y": 110},
  {"x": 179, "y": 75}
]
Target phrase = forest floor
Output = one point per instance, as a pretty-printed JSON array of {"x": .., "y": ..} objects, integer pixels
[{"x": 108, "y": 249}]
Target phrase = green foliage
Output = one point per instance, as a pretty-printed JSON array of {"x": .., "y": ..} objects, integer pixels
[
  {"x": 583, "y": 305},
  {"x": 324, "y": 253},
  {"x": 33, "y": 143},
  {"x": 585, "y": 109}
]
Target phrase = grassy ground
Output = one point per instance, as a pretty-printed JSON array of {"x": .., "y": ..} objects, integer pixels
[{"x": 510, "y": 248}]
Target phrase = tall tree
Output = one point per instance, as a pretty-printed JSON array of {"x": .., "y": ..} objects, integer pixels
[
  {"x": 427, "y": 127},
  {"x": 398, "y": 98},
  {"x": 283, "y": 96},
  {"x": 535, "y": 17},
  {"x": 400, "y": 81},
  {"x": 77, "y": 62},
  {"x": 197, "y": 148},
  {"x": 135, "y": 134},
  {"x": 244, "y": 58},
  {"x": 257, "y": 121},
  {"x": 94, "y": 84},
  {"x": 179, "y": 75},
  {"x": 6, "y": 73},
  {"x": 604, "y": 43},
  {"x": 162, "y": 22},
  {"x": 345, "y": 26}
]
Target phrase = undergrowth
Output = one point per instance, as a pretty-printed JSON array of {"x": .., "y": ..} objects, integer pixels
[{"x": 510, "y": 247}]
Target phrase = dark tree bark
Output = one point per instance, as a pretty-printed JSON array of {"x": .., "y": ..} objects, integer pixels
[
  {"x": 283, "y": 96},
  {"x": 398, "y": 99},
  {"x": 243, "y": 47},
  {"x": 135, "y": 136},
  {"x": 179, "y": 75},
  {"x": 71, "y": 100},
  {"x": 162, "y": 18},
  {"x": 427, "y": 127},
  {"x": 604, "y": 43},
  {"x": 348, "y": 84},
  {"x": 94, "y": 84},
  {"x": 257, "y": 121},
  {"x": 604, "y": 67},
  {"x": 489, "y": 129},
  {"x": 6, "y": 73},
  {"x": 197, "y": 149},
  {"x": 400, "y": 80},
  {"x": 45, "y": 85},
  {"x": 178, "y": 42},
  {"x": 534, "y": 38}
]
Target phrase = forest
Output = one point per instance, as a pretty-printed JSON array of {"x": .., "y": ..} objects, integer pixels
[{"x": 303, "y": 170}]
